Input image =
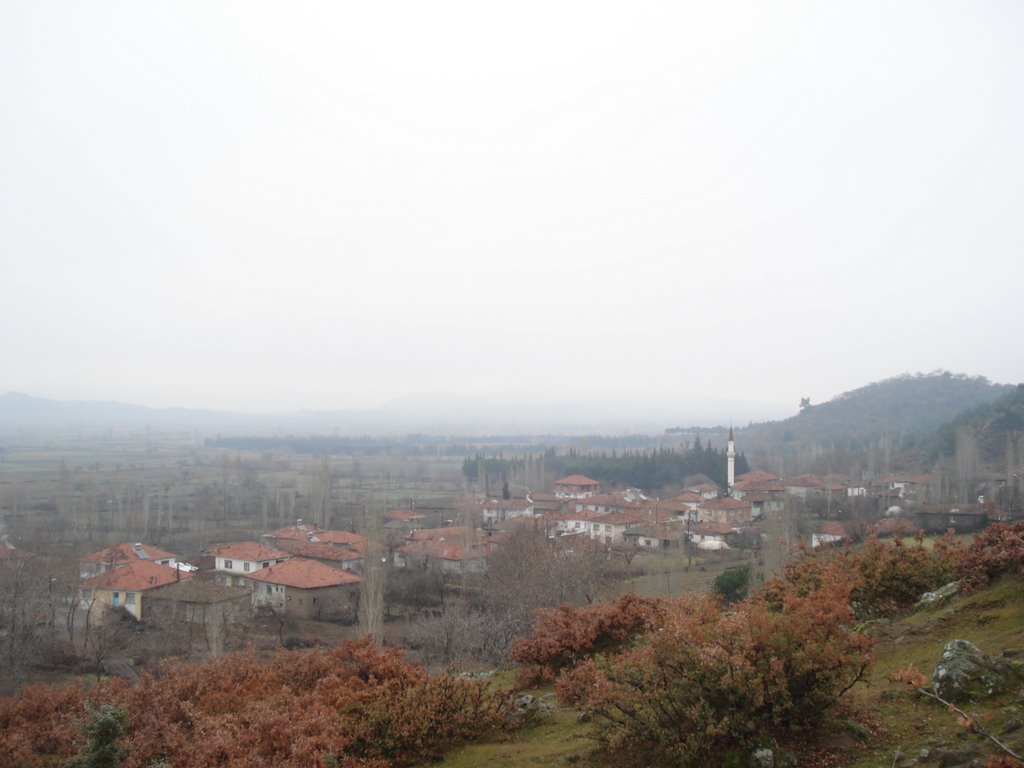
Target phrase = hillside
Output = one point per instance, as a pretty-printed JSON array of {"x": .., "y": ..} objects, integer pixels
[
  {"x": 991, "y": 424},
  {"x": 904, "y": 410},
  {"x": 883, "y": 723}
]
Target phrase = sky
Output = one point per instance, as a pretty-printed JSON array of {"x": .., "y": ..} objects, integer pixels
[{"x": 264, "y": 206}]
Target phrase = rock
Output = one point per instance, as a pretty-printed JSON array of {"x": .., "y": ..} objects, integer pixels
[
  {"x": 1012, "y": 724},
  {"x": 956, "y": 758},
  {"x": 964, "y": 673},
  {"x": 762, "y": 758},
  {"x": 527, "y": 709},
  {"x": 939, "y": 596}
]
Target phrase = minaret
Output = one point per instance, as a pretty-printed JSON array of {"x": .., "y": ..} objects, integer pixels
[{"x": 731, "y": 453}]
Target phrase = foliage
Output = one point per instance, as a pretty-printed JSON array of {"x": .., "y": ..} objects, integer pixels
[
  {"x": 732, "y": 584},
  {"x": 997, "y": 550},
  {"x": 885, "y": 577},
  {"x": 358, "y": 704},
  {"x": 563, "y": 636},
  {"x": 711, "y": 681},
  {"x": 104, "y": 728}
]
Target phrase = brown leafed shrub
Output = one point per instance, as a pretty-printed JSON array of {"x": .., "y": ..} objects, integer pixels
[
  {"x": 996, "y": 551},
  {"x": 563, "y": 636},
  {"x": 299, "y": 708},
  {"x": 711, "y": 681}
]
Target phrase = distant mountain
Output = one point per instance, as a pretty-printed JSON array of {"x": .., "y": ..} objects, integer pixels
[
  {"x": 21, "y": 411},
  {"x": 906, "y": 409},
  {"x": 432, "y": 412}
]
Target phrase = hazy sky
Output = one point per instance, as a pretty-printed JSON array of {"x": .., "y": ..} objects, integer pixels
[{"x": 267, "y": 206}]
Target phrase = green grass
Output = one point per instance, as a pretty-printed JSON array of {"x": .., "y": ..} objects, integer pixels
[{"x": 559, "y": 740}]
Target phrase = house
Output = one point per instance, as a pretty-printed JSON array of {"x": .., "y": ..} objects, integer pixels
[
  {"x": 938, "y": 518},
  {"x": 204, "y": 608},
  {"x": 662, "y": 537},
  {"x": 576, "y": 523},
  {"x": 121, "y": 554},
  {"x": 725, "y": 510},
  {"x": 124, "y": 587},
  {"x": 306, "y": 589},
  {"x": 804, "y": 486},
  {"x": 10, "y": 553},
  {"x": 576, "y": 487},
  {"x": 449, "y": 555},
  {"x": 404, "y": 520},
  {"x": 710, "y": 531},
  {"x": 503, "y": 509},
  {"x": 832, "y": 534},
  {"x": 232, "y": 561},
  {"x": 608, "y": 529},
  {"x": 757, "y": 475},
  {"x": 705, "y": 490},
  {"x": 601, "y": 503},
  {"x": 328, "y": 554}
]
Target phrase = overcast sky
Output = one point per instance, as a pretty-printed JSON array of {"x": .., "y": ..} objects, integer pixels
[{"x": 268, "y": 206}]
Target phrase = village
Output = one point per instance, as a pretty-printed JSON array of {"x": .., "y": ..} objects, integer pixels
[{"x": 307, "y": 573}]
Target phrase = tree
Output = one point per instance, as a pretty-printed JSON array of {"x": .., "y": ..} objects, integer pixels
[
  {"x": 732, "y": 584},
  {"x": 105, "y": 727}
]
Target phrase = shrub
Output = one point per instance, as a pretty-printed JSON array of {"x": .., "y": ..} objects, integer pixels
[
  {"x": 563, "y": 636},
  {"x": 996, "y": 551},
  {"x": 713, "y": 681}
]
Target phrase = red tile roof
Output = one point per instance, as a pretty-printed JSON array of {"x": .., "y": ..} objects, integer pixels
[
  {"x": 10, "y": 552},
  {"x": 833, "y": 529},
  {"x": 247, "y": 550},
  {"x": 346, "y": 538},
  {"x": 127, "y": 553},
  {"x": 318, "y": 550},
  {"x": 444, "y": 550},
  {"x": 756, "y": 476},
  {"x": 304, "y": 574},
  {"x": 576, "y": 480},
  {"x": 451, "y": 533},
  {"x": 136, "y": 576},
  {"x": 726, "y": 503}
]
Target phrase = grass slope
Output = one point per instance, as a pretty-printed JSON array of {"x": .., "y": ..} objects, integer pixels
[{"x": 880, "y": 724}]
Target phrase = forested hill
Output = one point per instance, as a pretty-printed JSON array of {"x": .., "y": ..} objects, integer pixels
[
  {"x": 907, "y": 409},
  {"x": 991, "y": 425}
]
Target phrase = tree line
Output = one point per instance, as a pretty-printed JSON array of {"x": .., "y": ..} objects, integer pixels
[{"x": 651, "y": 470}]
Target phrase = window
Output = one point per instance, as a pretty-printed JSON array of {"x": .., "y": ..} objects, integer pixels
[
  {"x": 245, "y": 567},
  {"x": 266, "y": 565},
  {"x": 227, "y": 565},
  {"x": 129, "y": 598},
  {"x": 269, "y": 589}
]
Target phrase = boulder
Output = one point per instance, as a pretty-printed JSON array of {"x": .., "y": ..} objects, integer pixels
[
  {"x": 939, "y": 596},
  {"x": 965, "y": 674}
]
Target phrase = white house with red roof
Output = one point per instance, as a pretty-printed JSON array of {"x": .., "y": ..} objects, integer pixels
[
  {"x": 124, "y": 587},
  {"x": 233, "y": 561},
  {"x": 608, "y": 529},
  {"x": 497, "y": 510},
  {"x": 576, "y": 487}
]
